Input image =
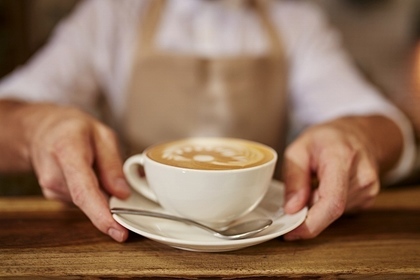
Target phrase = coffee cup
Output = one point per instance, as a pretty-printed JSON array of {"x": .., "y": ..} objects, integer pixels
[{"x": 211, "y": 180}]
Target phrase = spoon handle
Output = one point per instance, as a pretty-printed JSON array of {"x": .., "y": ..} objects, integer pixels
[{"x": 130, "y": 211}]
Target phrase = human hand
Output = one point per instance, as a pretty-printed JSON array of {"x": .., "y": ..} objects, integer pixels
[
  {"x": 345, "y": 156},
  {"x": 76, "y": 159}
]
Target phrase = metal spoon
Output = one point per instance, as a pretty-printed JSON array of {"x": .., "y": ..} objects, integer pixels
[{"x": 238, "y": 231}]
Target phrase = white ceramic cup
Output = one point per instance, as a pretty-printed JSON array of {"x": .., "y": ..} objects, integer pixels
[{"x": 211, "y": 180}]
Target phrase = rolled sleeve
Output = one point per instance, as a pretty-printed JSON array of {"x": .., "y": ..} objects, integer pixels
[{"x": 325, "y": 84}]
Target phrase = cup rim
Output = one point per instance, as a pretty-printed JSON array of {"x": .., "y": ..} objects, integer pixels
[{"x": 235, "y": 170}]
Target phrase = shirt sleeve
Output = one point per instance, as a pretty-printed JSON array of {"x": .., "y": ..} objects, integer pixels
[
  {"x": 324, "y": 83},
  {"x": 63, "y": 71}
]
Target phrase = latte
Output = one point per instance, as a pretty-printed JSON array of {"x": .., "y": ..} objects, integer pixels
[{"x": 211, "y": 153}]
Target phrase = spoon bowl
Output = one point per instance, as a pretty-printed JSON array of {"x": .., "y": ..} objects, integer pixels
[{"x": 237, "y": 231}]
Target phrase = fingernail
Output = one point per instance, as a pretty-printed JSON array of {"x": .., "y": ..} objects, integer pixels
[{"x": 116, "y": 234}]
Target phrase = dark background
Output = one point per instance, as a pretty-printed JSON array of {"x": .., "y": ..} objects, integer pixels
[
  {"x": 24, "y": 27},
  {"x": 379, "y": 34}
]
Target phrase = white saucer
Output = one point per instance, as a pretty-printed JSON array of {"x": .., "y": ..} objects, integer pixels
[{"x": 187, "y": 237}]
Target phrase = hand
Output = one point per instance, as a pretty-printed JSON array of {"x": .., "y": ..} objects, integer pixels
[
  {"x": 76, "y": 159},
  {"x": 346, "y": 157}
]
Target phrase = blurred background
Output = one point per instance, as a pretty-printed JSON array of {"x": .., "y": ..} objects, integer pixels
[
  {"x": 25, "y": 25},
  {"x": 380, "y": 35}
]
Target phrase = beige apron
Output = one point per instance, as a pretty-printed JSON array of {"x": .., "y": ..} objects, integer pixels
[{"x": 173, "y": 96}]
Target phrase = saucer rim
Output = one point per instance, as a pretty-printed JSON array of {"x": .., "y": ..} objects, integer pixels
[{"x": 218, "y": 244}]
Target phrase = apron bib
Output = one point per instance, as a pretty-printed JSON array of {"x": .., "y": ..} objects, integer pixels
[{"x": 173, "y": 96}]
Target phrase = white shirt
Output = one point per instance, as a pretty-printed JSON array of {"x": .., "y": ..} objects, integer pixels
[{"x": 92, "y": 50}]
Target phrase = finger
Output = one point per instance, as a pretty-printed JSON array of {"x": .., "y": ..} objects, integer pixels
[
  {"x": 75, "y": 158},
  {"x": 109, "y": 163},
  {"x": 332, "y": 193},
  {"x": 49, "y": 175},
  {"x": 325, "y": 210},
  {"x": 296, "y": 176},
  {"x": 363, "y": 198},
  {"x": 364, "y": 184}
]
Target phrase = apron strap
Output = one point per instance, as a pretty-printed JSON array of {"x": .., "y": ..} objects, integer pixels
[
  {"x": 149, "y": 25},
  {"x": 272, "y": 32}
]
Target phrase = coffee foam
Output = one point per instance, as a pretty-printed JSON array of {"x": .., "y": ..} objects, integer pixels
[{"x": 211, "y": 153}]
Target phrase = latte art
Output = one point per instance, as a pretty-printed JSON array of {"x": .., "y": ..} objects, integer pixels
[{"x": 211, "y": 154}]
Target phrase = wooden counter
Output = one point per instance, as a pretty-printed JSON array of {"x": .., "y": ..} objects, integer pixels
[{"x": 40, "y": 238}]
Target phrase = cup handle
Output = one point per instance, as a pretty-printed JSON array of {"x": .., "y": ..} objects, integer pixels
[{"x": 134, "y": 179}]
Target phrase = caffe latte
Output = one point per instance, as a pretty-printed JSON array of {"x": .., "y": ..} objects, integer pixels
[{"x": 211, "y": 153}]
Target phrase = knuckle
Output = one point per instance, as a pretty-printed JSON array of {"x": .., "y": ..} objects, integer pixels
[
  {"x": 341, "y": 152},
  {"x": 61, "y": 149},
  {"x": 106, "y": 131},
  {"x": 346, "y": 152},
  {"x": 52, "y": 183},
  {"x": 310, "y": 234},
  {"x": 78, "y": 197},
  {"x": 374, "y": 192},
  {"x": 66, "y": 147},
  {"x": 72, "y": 113},
  {"x": 289, "y": 151},
  {"x": 294, "y": 147},
  {"x": 337, "y": 208},
  {"x": 369, "y": 184},
  {"x": 368, "y": 177},
  {"x": 107, "y": 135},
  {"x": 49, "y": 194}
]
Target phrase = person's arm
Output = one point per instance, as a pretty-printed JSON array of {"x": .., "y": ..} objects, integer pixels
[
  {"x": 351, "y": 136},
  {"x": 325, "y": 85},
  {"x": 74, "y": 156}
]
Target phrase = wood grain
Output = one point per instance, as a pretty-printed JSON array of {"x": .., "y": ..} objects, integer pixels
[{"x": 46, "y": 239}]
